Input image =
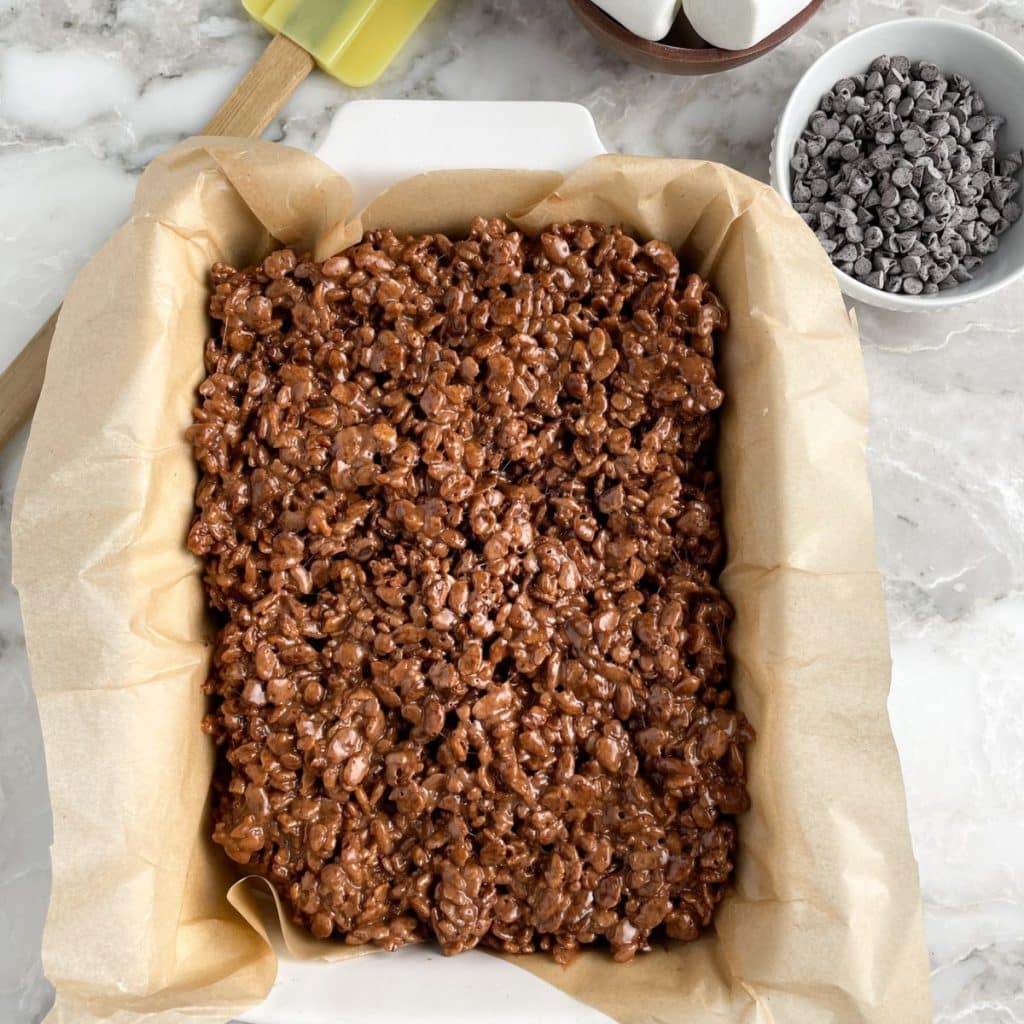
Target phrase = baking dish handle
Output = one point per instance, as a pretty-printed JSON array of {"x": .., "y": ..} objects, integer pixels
[{"x": 376, "y": 143}]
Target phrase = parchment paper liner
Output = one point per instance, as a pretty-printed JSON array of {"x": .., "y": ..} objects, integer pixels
[{"x": 825, "y": 921}]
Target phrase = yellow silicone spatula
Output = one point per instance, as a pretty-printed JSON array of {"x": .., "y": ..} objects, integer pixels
[{"x": 352, "y": 40}]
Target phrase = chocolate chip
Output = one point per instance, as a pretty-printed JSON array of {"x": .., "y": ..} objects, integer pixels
[
  {"x": 873, "y": 237},
  {"x": 861, "y": 267},
  {"x": 830, "y": 128},
  {"x": 905, "y": 240},
  {"x": 915, "y": 146},
  {"x": 860, "y": 185},
  {"x": 881, "y": 158},
  {"x": 902, "y": 176},
  {"x": 890, "y": 198}
]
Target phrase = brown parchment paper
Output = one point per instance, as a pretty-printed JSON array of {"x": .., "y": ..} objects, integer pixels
[{"x": 825, "y": 921}]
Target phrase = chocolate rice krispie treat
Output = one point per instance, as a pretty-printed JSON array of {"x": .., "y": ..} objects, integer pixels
[{"x": 460, "y": 527}]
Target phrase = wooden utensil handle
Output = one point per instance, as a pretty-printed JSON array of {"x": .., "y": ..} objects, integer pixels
[
  {"x": 262, "y": 93},
  {"x": 22, "y": 381},
  {"x": 246, "y": 112}
]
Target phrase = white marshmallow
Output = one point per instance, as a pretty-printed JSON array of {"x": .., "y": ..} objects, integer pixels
[
  {"x": 649, "y": 19},
  {"x": 737, "y": 24}
]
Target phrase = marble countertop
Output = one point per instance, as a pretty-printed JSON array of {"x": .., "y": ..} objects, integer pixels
[{"x": 90, "y": 90}]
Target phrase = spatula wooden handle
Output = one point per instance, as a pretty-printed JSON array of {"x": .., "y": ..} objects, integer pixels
[
  {"x": 22, "y": 381},
  {"x": 246, "y": 113},
  {"x": 263, "y": 92}
]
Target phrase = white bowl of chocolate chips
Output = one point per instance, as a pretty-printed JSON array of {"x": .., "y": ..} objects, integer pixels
[{"x": 901, "y": 149}]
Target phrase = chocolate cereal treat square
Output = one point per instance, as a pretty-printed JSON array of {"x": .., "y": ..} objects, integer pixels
[{"x": 460, "y": 528}]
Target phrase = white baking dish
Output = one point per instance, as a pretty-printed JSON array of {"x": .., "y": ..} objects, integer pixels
[{"x": 376, "y": 143}]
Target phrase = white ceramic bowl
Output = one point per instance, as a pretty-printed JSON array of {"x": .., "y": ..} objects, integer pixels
[{"x": 997, "y": 72}]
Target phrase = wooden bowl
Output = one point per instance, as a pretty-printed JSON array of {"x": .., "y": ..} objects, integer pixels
[{"x": 682, "y": 51}]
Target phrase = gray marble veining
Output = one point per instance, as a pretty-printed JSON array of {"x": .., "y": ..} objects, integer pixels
[{"x": 90, "y": 90}]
